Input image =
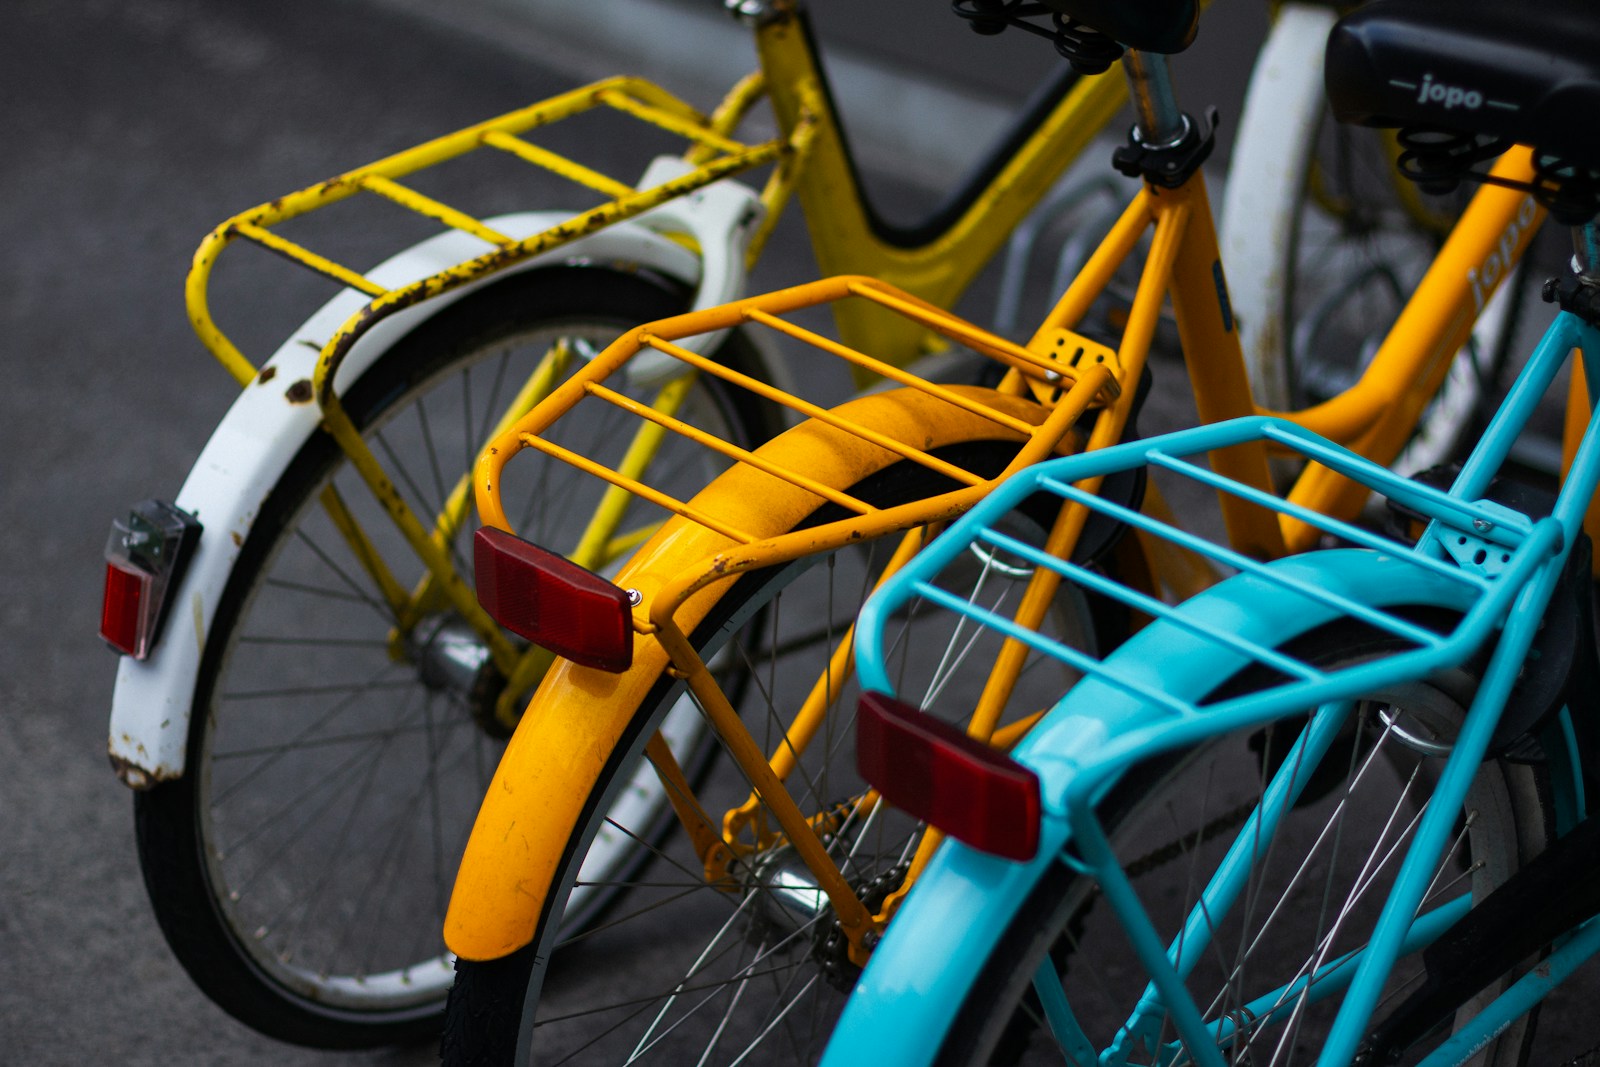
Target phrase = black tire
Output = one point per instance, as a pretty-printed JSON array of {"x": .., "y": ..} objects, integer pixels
[
  {"x": 560, "y": 996},
  {"x": 300, "y": 868},
  {"x": 1169, "y": 830}
]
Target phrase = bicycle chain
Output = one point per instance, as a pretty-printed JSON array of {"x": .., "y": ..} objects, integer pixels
[{"x": 832, "y": 948}]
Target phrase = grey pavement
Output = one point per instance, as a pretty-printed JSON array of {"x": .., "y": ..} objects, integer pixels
[{"x": 129, "y": 129}]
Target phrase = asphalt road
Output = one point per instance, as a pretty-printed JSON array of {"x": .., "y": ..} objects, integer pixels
[{"x": 129, "y": 129}]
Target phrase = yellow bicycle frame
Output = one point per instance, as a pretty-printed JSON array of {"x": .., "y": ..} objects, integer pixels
[
  {"x": 490, "y": 913},
  {"x": 1376, "y": 415},
  {"x": 738, "y": 524},
  {"x": 842, "y": 234}
]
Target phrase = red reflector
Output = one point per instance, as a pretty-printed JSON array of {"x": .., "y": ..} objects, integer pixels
[
  {"x": 122, "y": 616},
  {"x": 553, "y": 602},
  {"x": 969, "y": 790},
  {"x": 145, "y": 557}
]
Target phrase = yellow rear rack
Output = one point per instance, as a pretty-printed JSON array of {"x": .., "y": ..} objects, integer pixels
[
  {"x": 759, "y": 511},
  {"x": 711, "y": 152},
  {"x": 1037, "y": 430}
]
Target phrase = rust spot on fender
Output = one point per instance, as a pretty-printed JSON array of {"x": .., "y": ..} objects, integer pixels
[
  {"x": 299, "y": 392},
  {"x": 237, "y": 540},
  {"x": 267, "y": 374},
  {"x": 136, "y": 777}
]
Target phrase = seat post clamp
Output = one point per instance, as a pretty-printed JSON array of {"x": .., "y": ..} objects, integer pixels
[
  {"x": 1172, "y": 164},
  {"x": 1576, "y": 296}
]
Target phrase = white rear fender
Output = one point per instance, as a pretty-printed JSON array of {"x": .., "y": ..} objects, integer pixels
[{"x": 267, "y": 426}]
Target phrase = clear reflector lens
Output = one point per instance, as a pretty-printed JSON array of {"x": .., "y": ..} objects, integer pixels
[
  {"x": 553, "y": 602},
  {"x": 967, "y": 789},
  {"x": 145, "y": 555}
]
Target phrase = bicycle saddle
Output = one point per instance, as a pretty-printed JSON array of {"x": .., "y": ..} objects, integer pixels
[
  {"x": 1149, "y": 25},
  {"x": 1528, "y": 73}
]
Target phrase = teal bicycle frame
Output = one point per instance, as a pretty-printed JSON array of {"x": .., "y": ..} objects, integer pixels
[{"x": 1497, "y": 567}]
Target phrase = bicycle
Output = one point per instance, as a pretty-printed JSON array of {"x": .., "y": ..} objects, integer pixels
[
  {"x": 1337, "y": 804},
  {"x": 813, "y": 868},
  {"x": 320, "y": 636},
  {"x": 263, "y": 838}
]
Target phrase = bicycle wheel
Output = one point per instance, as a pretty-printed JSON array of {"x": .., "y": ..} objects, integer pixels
[
  {"x": 336, "y": 757},
  {"x": 1314, "y": 888},
  {"x": 1325, "y": 241},
  {"x": 752, "y": 970}
]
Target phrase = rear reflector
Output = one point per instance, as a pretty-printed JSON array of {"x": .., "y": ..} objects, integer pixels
[
  {"x": 122, "y": 622},
  {"x": 974, "y": 793},
  {"x": 553, "y": 602},
  {"x": 145, "y": 557}
]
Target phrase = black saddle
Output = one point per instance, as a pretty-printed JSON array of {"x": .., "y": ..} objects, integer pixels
[
  {"x": 1165, "y": 26},
  {"x": 1523, "y": 73}
]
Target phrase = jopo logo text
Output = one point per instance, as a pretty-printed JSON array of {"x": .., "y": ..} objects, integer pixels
[
  {"x": 1485, "y": 277},
  {"x": 1450, "y": 96}
]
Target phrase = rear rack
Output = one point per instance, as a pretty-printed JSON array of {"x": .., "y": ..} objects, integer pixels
[
  {"x": 711, "y": 154},
  {"x": 657, "y": 352},
  {"x": 1479, "y": 553}
]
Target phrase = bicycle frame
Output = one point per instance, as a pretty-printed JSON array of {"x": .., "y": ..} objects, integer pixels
[
  {"x": 1375, "y": 416},
  {"x": 933, "y": 261}
]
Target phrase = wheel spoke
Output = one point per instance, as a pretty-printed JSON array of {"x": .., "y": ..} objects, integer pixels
[{"x": 334, "y": 788}]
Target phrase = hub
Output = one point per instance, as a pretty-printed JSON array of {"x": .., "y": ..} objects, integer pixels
[
  {"x": 451, "y": 658},
  {"x": 788, "y": 896}
]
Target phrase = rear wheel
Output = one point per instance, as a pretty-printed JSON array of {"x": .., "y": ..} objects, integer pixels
[
  {"x": 754, "y": 970},
  {"x": 337, "y": 753},
  {"x": 1313, "y": 892}
]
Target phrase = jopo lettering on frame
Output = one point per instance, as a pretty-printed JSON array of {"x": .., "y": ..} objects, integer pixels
[{"x": 1485, "y": 276}]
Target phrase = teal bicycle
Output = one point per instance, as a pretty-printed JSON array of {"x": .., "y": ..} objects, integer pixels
[{"x": 1334, "y": 809}]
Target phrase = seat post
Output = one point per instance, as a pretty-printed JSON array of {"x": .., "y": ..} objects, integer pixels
[
  {"x": 1161, "y": 123},
  {"x": 1586, "y": 253}
]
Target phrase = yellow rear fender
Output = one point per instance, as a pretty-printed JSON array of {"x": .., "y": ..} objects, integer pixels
[{"x": 579, "y": 717}]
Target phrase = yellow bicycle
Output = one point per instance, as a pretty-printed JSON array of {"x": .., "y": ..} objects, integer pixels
[
  {"x": 311, "y": 701},
  {"x": 724, "y": 919}
]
